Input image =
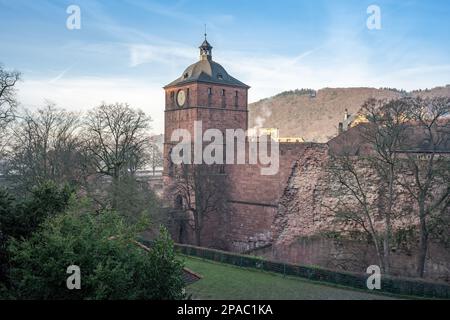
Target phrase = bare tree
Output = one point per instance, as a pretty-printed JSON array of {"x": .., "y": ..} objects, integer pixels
[
  {"x": 45, "y": 146},
  {"x": 386, "y": 132},
  {"x": 116, "y": 141},
  {"x": 375, "y": 195},
  {"x": 155, "y": 156},
  {"x": 8, "y": 100},
  {"x": 117, "y": 138},
  {"x": 8, "y": 103},
  {"x": 426, "y": 170},
  {"x": 357, "y": 195},
  {"x": 199, "y": 190}
]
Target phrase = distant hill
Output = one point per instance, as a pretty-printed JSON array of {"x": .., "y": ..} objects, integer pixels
[{"x": 314, "y": 115}]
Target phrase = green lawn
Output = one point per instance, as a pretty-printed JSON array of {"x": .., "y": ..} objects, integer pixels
[{"x": 222, "y": 281}]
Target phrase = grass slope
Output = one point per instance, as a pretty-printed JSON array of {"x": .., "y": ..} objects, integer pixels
[{"x": 222, "y": 281}]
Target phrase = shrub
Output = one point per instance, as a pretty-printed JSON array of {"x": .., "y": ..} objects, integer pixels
[
  {"x": 21, "y": 217},
  {"x": 102, "y": 245}
]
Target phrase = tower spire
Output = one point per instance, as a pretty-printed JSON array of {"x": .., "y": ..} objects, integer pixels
[{"x": 205, "y": 49}]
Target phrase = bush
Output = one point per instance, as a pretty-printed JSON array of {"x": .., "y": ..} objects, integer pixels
[
  {"x": 6, "y": 207},
  {"x": 20, "y": 218},
  {"x": 102, "y": 245}
]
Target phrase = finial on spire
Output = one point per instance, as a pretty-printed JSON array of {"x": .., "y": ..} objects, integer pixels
[{"x": 205, "y": 31}]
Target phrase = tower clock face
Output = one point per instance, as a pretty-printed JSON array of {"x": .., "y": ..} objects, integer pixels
[{"x": 181, "y": 98}]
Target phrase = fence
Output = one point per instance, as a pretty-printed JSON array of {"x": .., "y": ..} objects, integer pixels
[{"x": 395, "y": 285}]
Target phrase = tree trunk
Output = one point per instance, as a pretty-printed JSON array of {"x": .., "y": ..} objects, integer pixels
[
  {"x": 387, "y": 234},
  {"x": 423, "y": 239},
  {"x": 115, "y": 195},
  {"x": 198, "y": 242},
  {"x": 379, "y": 252},
  {"x": 386, "y": 246},
  {"x": 197, "y": 230}
]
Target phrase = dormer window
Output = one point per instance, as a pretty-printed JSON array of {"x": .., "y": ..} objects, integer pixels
[
  {"x": 220, "y": 76},
  {"x": 185, "y": 75}
]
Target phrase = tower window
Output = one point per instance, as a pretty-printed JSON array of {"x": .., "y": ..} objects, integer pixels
[
  {"x": 172, "y": 98},
  {"x": 224, "y": 103},
  {"x": 210, "y": 91},
  {"x": 236, "y": 99}
]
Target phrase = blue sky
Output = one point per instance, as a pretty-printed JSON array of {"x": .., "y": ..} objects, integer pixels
[{"x": 126, "y": 50}]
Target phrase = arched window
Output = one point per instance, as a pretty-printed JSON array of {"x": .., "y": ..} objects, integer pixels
[
  {"x": 172, "y": 98},
  {"x": 209, "y": 97},
  {"x": 224, "y": 102}
]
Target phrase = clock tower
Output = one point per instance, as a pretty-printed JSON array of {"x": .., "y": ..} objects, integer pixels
[{"x": 204, "y": 92}]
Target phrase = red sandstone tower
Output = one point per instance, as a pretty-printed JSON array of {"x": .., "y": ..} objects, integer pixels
[{"x": 204, "y": 92}]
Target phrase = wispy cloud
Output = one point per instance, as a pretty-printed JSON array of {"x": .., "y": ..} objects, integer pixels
[
  {"x": 140, "y": 54},
  {"x": 59, "y": 76}
]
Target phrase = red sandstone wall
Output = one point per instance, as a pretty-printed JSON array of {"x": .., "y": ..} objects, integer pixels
[
  {"x": 254, "y": 199},
  {"x": 357, "y": 256},
  {"x": 303, "y": 217}
]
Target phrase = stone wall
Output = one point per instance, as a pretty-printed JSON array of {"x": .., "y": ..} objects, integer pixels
[
  {"x": 252, "y": 205},
  {"x": 356, "y": 256},
  {"x": 254, "y": 199},
  {"x": 304, "y": 221}
]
